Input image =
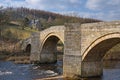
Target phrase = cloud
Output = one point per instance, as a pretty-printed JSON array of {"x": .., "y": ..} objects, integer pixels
[
  {"x": 12, "y": 3},
  {"x": 102, "y": 4},
  {"x": 94, "y": 4},
  {"x": 55, "y": 5},
  {"x": 100, "y": 9},
  {"x": 107, "y": 16},
  {"x": 33, "y": 1},
  {"x": 75, "y": 1},
  {"x": 103, "y": 9}
]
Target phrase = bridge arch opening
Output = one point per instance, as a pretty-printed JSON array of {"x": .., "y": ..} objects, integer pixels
[
  {"x": 52, "y": 50},
  {"x": 28, "y": 49},
  {"x": 99, "y": 50},
  {"x": 93, "y": 57}
]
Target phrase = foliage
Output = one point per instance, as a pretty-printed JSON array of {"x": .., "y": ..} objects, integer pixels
[
  {"x": 25, "y": 23},
  {"x": 4, "y": 17},
  {"x": 16, "y": 33},
  {"x": 46, "y": 19}
]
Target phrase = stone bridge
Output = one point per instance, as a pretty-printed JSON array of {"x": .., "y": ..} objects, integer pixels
[
  {"x": 44, "y": 44},
  {"x": 85, "y": 45}
]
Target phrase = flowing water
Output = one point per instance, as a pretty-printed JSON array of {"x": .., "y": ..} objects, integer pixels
[{"x": 11, "y": 71}]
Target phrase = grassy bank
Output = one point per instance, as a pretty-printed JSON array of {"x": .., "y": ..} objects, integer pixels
[
  {"x": 10, "y": 35},
  {"x": 13, "y": 31}
]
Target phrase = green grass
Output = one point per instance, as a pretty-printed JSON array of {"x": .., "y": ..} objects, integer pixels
[{"x": 15, "y": 32}]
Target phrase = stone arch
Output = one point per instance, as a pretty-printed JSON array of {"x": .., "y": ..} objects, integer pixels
[
  {"x": 52, "y": 34},
  {"x": 91, "y": 64},
  {"x": 49, "y": 48},
  {"x": 97, "y": 49},
  {"x": 28, "y": 49}
]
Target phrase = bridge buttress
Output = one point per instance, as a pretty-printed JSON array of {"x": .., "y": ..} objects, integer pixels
[
  {"x": 35, "y": 47},
  {"x": 72, "y": 51},
  {"x": 91, "y": 68}
]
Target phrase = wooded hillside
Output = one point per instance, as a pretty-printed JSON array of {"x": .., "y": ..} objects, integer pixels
[{"x": 46, "y": 18}]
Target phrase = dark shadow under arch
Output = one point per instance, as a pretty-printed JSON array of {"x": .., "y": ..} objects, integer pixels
[
  {"x": 28, "y": 49},
  {"x": 99, "y": 50},
  {"x": 49, "y": 50}
]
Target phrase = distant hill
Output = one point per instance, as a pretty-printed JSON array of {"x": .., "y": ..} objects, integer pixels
[
  {"x": 46, "y": 18},
  {"x": 14, "y": 18}
]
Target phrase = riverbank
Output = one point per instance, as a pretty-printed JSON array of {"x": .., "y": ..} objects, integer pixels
[
  {"x": 7, "y": 48},
  {"x": 52, "y": 78},
  {"x": 11, "y": 51},
  {"x": 20, "y": 59}
]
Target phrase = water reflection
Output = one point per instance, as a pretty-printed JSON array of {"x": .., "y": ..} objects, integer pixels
[{"x": 111, "y": 64}]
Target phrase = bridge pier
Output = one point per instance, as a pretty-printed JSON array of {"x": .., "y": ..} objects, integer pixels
[
  {"x": 91, "y": 69},
  {"x": 35, "y": 47},
  {"x": 72, "y": 51},
  {"x": 73, "y": 65}
]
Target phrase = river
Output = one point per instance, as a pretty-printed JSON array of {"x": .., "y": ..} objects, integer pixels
[{"x": 11, "y": 71}]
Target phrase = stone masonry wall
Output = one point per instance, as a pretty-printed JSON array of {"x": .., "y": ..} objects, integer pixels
[
  {"x": 72, "y": 48},
  {"x": 92, "y": 31},
  {"x": 38, "y": 40},
  {"x": 35, "y": 47},
  {"x": 76, "y": 39}
]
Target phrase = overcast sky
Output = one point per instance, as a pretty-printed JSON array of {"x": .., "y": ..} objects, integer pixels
[{"x": 107, "y": 10}]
